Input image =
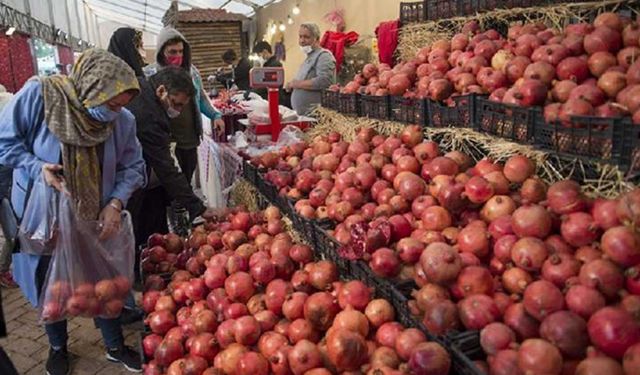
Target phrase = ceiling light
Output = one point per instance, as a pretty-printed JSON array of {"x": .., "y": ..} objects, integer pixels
[
  {"x": 10, "y": 31},
  {"x": 289, "y": 20},
  {"x": 273, "y": 28},
  {"x": 282, "y": 27},
  {"x": 296, "y": 9}
]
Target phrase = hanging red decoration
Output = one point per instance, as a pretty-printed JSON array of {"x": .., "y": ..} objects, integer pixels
[{"x": 18, "y": 67}]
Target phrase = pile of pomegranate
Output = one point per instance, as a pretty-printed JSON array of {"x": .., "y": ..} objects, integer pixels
[
  {"x": 164, "y": 254},
  {"x": 549, "y": 275},
  {"x": 259, "y": 305},
  {"x": 584, "y": 70},
  {"x": 64, "y": 299}
]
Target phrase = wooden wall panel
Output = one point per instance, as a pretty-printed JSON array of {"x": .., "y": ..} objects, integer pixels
[{"x": 209, "y": 40}]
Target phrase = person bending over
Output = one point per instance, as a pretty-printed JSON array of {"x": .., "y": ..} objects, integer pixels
[
  {"x": 74, "y": 130},
  {"x": 163, "y": 96}
]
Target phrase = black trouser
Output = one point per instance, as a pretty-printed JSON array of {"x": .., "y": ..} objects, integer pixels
[
  {"x": 6, "y": 177},
  {"x": 148, "y": 210},
  {"x": 6, "y": 366},
  {"x": 188, "y": 161}
]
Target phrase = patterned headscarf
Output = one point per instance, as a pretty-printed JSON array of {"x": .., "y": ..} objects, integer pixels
[{"x": 97, "y": 77}]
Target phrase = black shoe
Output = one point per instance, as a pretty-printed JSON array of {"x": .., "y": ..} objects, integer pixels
[
  {"x": 129, "y": 358},
  {"x": 130, "y": 316},
  {"x": 58, "y": 362}
]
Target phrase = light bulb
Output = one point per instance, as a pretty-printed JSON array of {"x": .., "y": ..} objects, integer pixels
[
  {"x": 290, "y": 20},
  {"x": 282, "y": 27},
  {"x": 296, "y": 10},
  {"x": 273, "y": 29}
]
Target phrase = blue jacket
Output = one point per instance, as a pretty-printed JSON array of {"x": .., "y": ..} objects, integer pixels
[{"x": 26, "y": 144}]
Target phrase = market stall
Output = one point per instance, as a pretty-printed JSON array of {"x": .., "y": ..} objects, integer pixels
[{"x": 485, "y": 187}]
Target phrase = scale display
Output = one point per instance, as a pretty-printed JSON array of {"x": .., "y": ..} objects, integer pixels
[{"x": 266, "y": 77}]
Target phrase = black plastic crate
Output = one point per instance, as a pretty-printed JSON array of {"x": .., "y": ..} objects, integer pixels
[
  {"x": 330, "y": 99},
  {"x": 301, "y": 224},
  {"x": 282, "y": 202},
  {"x": 349, "y": 104},
  {"x": 378, "y": 107},
  {"x": 464, "y": 348},
  {"x": 409, "y": 110},
  {"x": 260, "y": 182},
  {"x": 631, "y": 149},
  {"x": 390, "y": 290},
  {"x": 588, "y": 138},
  {"x": 459, "y": 114},
  {"x": 250, "y": 172},
  {"x": 442, "y": 9},
  {"x": 328, "y": 247},
  {"x": 413, "y": 12},
  {"x": 269, "y": 190},
  {"x": 262, "y": 202},
  {"x": 507, "y": 121}
]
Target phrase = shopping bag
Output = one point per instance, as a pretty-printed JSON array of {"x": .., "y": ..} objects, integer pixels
[
  {"x": 38, "y": 228},
  {"x": 87, "y": 277}
]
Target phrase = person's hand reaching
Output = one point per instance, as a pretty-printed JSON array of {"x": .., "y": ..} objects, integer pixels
[
  {"x": 110, "y": 218},
  {"x": 52, "y": 174},
  {"x": 288, "y": 86},
  {"x": 218, "y": 128},
  {"x": 212, "y": 213}
]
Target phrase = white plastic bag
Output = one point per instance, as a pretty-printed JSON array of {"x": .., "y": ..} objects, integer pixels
[
  {"x": 87, "y": 277},
  {"x": 290, "y": 135},
  {"x": 39, "y": 225}
]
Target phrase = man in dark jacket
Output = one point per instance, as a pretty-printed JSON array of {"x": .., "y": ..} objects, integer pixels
[
  {"x": 161, "y": 98},
  {"x": 241, "y": 68},
  {"x": 267, "y": 60},
  {"x": 265, "y": 54},
  {"x": 186, "y": 129}
]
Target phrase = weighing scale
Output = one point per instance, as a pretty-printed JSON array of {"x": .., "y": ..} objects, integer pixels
[{"x": 271, "y": 79}]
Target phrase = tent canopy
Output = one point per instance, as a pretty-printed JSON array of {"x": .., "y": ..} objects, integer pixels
[{"x": 147, "y": 15}]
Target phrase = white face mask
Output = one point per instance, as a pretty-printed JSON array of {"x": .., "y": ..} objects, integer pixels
[
  {"x": 172, "y": 112},
  {"x": 306, "y": 49},
  {"x": 261, "y": 60}
]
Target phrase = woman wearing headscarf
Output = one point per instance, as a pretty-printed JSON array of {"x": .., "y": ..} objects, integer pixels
[
  {"x": 126, "y": 43},
  {"x": 75, "y": 129}
]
